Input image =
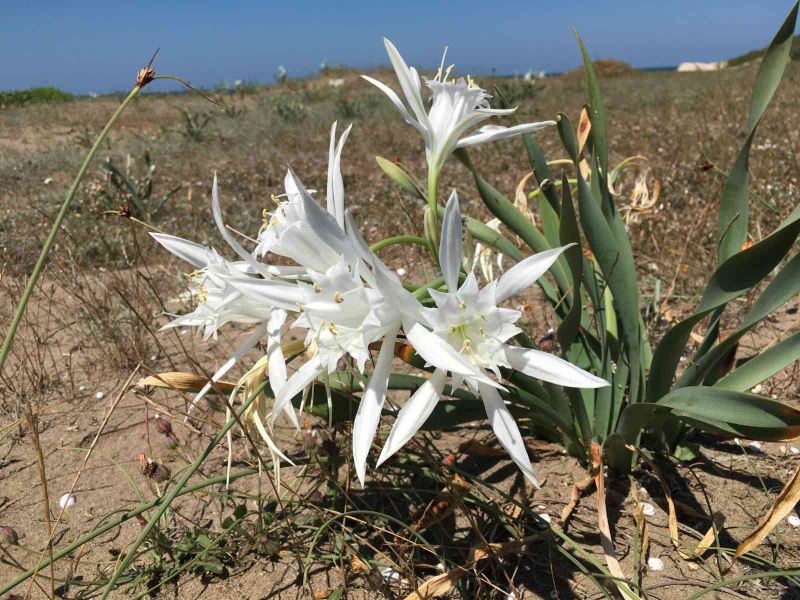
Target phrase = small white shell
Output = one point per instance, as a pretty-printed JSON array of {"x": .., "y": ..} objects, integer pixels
[
  {"x": 545, "y": 517},
  {"x": 100, "y": 395},
  {"x": 793, "y": 520},
  {"x": 655, "y": 564},
  {"x": 390, "y": 574},
  {"x": 648, "y": 509},
  {"x": 67, "y": 500},
  {"x": 401, "y": 272}
]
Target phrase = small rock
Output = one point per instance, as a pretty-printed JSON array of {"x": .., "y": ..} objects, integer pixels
[
  {"x": 648, "y": 509},
  {"x": 793, "y": 520},
  {"x": 794, "y": 449},
  {"x": 401, "y": 272},
  {"x": 48, "y": 180},
  {"x": 100, "y": 395},
  {"x": 755, "y": 447},
  {"x": 544, "y": 517},
  {"x": 390, "y": 574}
]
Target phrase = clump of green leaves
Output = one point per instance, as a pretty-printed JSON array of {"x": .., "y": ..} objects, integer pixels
[
  {"x": 129, "y": 188},
  {"x": 195, "y": 124},
  {"x": 289, "y": 108}
]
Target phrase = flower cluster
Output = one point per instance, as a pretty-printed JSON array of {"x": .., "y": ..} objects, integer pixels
[{"x": 347, "y": 301}]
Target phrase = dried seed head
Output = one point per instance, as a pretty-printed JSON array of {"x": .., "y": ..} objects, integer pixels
[
  {"x": 9, "y": 536},
  {"x": 164, "y": 426},
  {"x": 144, "y": 76}
]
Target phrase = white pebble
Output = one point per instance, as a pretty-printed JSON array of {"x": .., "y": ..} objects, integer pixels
[
  {"x": 755, "y": 446},
  {"x": 401, "y": 272},
  {"x": 544, "y": 517},
  {"x": 758, "y": 389},
  {"x": 154, "y": 357},
  {"x": 67, "y": 500},
  {"x": 81, "y": 388},
  {"x": 390, "y": 574},
  {"x": 648, "y": 509},
  {"x": 655, "y": 564},
  {"x": 100, "y": 395},
  {"x": 794, "y": 520},
  {"x": 794, "y": 449}
]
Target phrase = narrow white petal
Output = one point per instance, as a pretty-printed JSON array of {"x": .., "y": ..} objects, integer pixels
[
  {"x": 398, "y": 104},
  {"x": 359, "y": 244},
  {"x": 526, "y": 272},
  {"x": 274, "y": 293},
  {"x": 331, "y": 160},
  {"x": 389, "y": 285},
  {"x": 191, "y": 252},
  {"x": 248, "y": 344},
  {"x": 506, "y": 430},
  {"x": 450, "y": 243},
  {"x": 295, "y": 384},
  {"x": 551, "y": 368},
  {"x": 226, "y": 235},
  {"x": 323, "y": 223},
  {"x": 406, "y": 78},
  {"x": 413, "y": 414},
  {"x": 440, "y": 354},
  {"x": 491, "y": 133},
  {"x": 369, "y": 410},
  {"x": 338, "y": 182},
  {"x": 276, "y": 361}
]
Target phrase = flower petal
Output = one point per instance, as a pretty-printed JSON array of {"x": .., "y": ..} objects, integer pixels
[
  {"x": 525, "y": 272},
  {"x": 413, "y": 414},
  {"x": 398, "y": 104},
  {"x": 506, "y": 430},
  {"x": 490, "y": 133},
  {"x": 440, "y": 354},
  {"x": 275, "y": 293},
  {"x": 450, "y": 243},
  {"x": 551, "y": 368},
  {"x": 276, "y": 361},
  {"x": 191, "y": 252},
  {"x": 369, "y": 410},
  {"x": 409, "y": 82},
  {"x": 323, "y": 223},
  {"x": 301, "y": 378}
]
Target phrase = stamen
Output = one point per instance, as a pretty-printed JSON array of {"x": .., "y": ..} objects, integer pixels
[
  {"x": 317, "y": 289},
  {"x": 332, "y": 328},
  {"x": 441, "y": 66},
  {"x": 338, "y": 298},
  {"x": 447, "y": 73},
  {"x": 461, "y": 304}
]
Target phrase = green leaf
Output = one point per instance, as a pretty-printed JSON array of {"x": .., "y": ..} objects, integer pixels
[
  {"x": 733, "y": 211},
  {"x": 407, "y": 182},
  {"x": 748, "y": 415},
  {"x": 732, "y": 278},
  {"x": 569, "y": 234},
  {"x": 597, "y": 116},
  {"x": 780, "y": 290},
  {"x": 763, "y": 365}
]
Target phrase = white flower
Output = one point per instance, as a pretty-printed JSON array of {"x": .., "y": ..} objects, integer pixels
[
  {"x": 457, "y": 106},
  {"x": 290, "y": 231},
  {"x": 469, "y": 322}
]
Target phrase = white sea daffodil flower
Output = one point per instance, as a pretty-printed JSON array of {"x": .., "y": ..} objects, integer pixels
[
  {"x": 457, "y": 106},
  {"x": 469, "y": 320},
  {"x": 287, "y": 231}
]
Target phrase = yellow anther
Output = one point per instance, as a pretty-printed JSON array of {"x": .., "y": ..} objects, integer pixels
[
  {"x": 332, "y": 328},
  {"x": 338, "y": 298},
  {"x": 202, "y": 295},
  {"x": 461, "y": 304},
  {"x": 317, "y": 289},
  {"x": 447, "y": 73}
]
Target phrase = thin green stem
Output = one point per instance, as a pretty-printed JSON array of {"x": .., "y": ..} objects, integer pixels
[
  {"x": 168, "y": 498},
  {"x": 51, "y": 238},
  {"x": 398, "y": 239},
  {"x": 142, "y": 508},
  {"x": 433, "y": 179}
]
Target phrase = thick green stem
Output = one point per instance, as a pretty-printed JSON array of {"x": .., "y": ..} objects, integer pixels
[
  {"x": 398, "y": 239},
  {"x": 168, "y": 498},
  {"x": 51, "y": 238}
]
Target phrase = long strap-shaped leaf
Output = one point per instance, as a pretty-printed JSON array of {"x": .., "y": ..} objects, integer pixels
[
  {"x": 733, "y": 209},
  {"x": 780, "y": 290},
  {"x": 717, "y": 411},
  {"x": 732, "y": 278},
  {"x": 763, "y": 365}
]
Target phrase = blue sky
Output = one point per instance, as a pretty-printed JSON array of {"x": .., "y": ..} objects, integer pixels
[{"x": 88, "y": 45}]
